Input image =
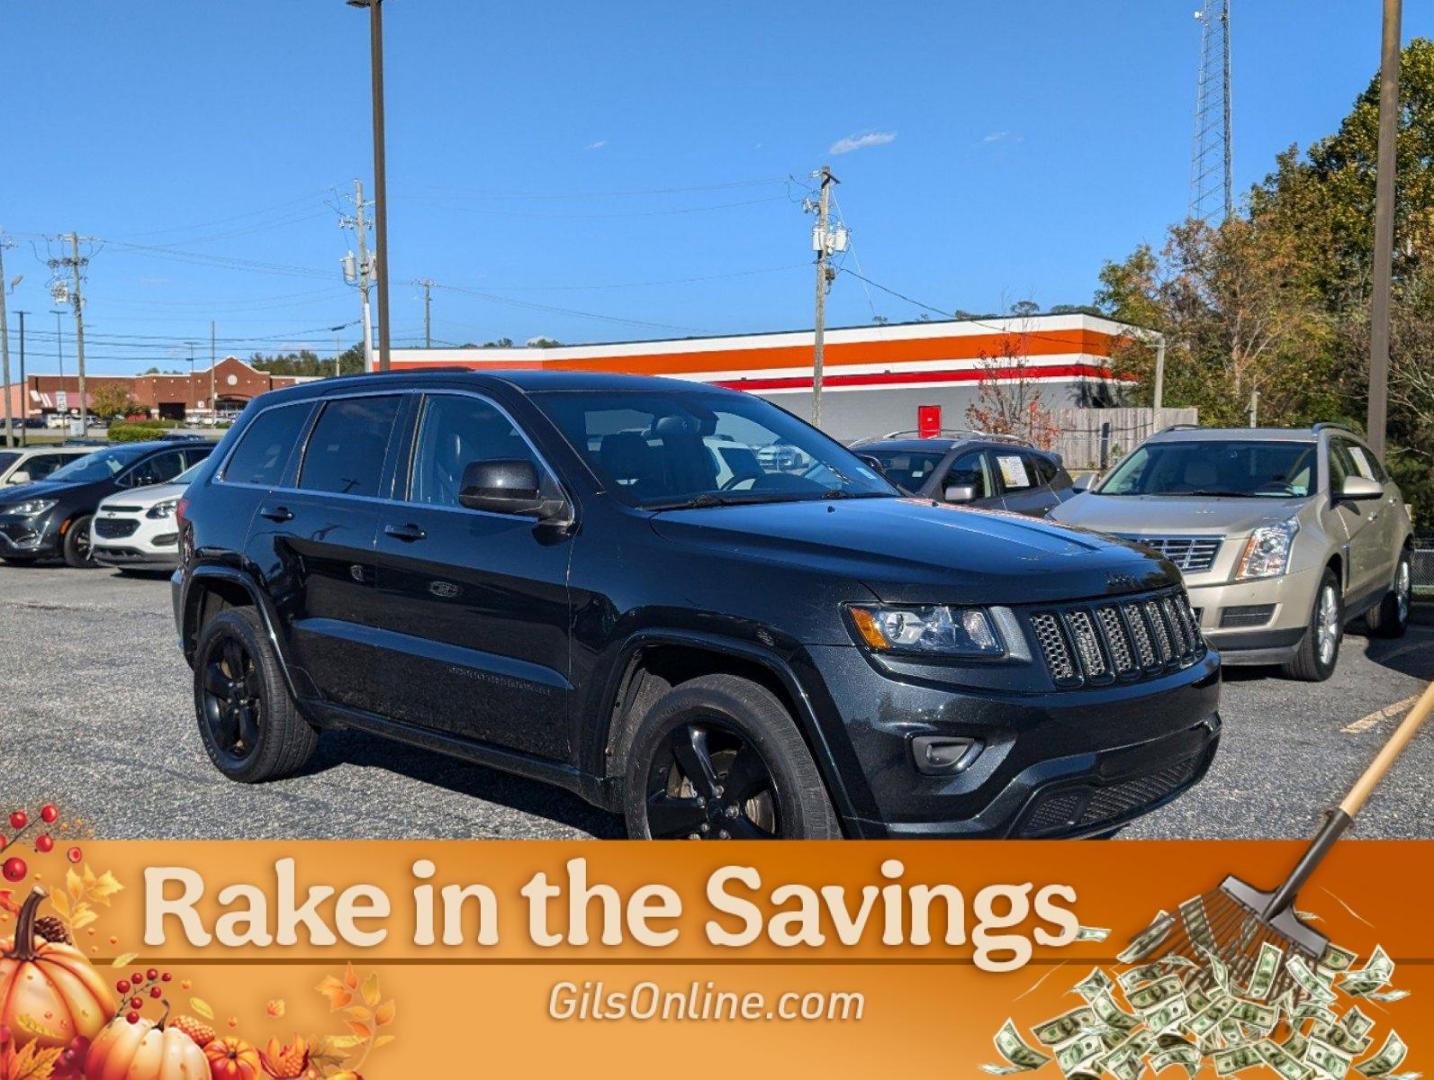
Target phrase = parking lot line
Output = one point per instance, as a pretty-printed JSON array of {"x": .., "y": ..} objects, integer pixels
[{"x": 1364, "y": 723}]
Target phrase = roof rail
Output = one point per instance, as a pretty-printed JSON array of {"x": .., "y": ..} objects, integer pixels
[
  {"x": 1180, "y": 427},
  {"x": 956, "y": 433},
  {"x": 1325, "y": 425}
]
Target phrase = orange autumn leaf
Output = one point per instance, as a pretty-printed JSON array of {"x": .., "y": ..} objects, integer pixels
[
  {"x": 337, "y": 993},
  {"x": 363, "y": 1031},
  {"x": 276, "y": 1008},
  {"x": 371, "y": 994},
  {"x": 351, "y": 979},
  {"x": 384, "y": 1014}
]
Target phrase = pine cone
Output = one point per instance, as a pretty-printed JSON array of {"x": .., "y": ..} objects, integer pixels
[{"x": 52, "y": 929}]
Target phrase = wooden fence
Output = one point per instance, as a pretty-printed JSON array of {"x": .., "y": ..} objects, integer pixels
[{"x": 1098, "y": 438}]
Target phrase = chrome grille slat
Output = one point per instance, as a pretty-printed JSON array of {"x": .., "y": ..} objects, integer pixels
[
  {"x": 1177, "y": 628},
  {"x": 1161, "y": 636},
  {"x": 1115, "y": 639},
  {"x": 1053, "y": 647},
  {"x": 1082, "y": 632},
  {"x": 1191, "y": 554},
  {"x": 1143, "y": 647},
  {"x": 1137, "y": 638}
]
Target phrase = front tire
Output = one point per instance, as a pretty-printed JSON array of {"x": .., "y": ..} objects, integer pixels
[
  {"x": 720, "y": 758},
  {"x": 1319, "y": 649},
  {"x": 250, "y": 726},
  {"x": 78, "y": 548},
  {"x": 1390, "y": 617}
]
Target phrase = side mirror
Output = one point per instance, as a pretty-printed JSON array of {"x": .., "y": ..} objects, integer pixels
[
  {"x": 874, "y": 462},
  {"x": 1361, "y": 487},
  {"x": 961, "y": 493},
  {"x": 19, "y": 476},
  {"x": 506, "y": 486}
]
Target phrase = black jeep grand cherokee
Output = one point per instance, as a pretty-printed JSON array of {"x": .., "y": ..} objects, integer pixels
[{"x": 601, "y": 582}]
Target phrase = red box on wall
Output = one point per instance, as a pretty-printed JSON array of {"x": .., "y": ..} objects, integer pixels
[{"x": 928, "y": 421}]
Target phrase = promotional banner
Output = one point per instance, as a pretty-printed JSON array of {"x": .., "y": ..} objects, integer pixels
[{"x": 400, "y": 959}]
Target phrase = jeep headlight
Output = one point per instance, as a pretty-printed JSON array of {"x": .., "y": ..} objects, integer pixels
[
  {"x": 931, "y": 630},
  {"x": 1267, "y": 552},
  {"x": 32, "y": 507},
  {"x": 162, "y": 510}
]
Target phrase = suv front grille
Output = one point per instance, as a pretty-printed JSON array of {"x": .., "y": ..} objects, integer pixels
[
  {"x": 112, "y": 529},
  {"x": 1094, "y": 644},
  {"x": 1191, "y": 554},
  {"x": 1085, "y": 806}
]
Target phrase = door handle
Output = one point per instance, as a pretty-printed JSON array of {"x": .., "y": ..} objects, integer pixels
[
  {"x": 406, "y": 533},
  {"x": 277, "y": 513}
]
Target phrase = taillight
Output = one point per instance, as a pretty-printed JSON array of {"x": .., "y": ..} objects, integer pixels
[
  {"x": 186, "y": 538},
  {"x": 179, "y": 509}
]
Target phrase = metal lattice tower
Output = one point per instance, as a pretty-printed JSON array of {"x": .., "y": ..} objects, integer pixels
[{"x": 1211, "y": 190}]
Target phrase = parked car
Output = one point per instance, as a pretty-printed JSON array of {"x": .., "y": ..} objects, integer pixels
[
  {"x": 24, "y": 464},
  {"x": 52, "y": 517},
  {"x": 1283, "y": 536},
  {"x": 538, "y": 571},
  {"x": 135, "y": 530},
  {"x": 973, "y": 468}
]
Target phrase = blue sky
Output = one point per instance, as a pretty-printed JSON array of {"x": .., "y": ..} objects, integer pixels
[{"x": 623, "y": 160}]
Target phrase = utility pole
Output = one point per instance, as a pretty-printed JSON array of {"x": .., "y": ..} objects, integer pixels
[
  {"x": 24, "y": 393},
  {"x": 213, "y": 363},
  {"x": 824, "y": 243},
  {"x": 1159, "y": 375},
  {"x": 380, "y": 170},
  {"x": 1383, "y": 229},
  {"x": 338, "y": 356},
  {"x": 360, "y": 272},
  {"x": 5, "y": 343},
  {"x": 76, "y": 264},
  {"x": 427, "y": 285}
]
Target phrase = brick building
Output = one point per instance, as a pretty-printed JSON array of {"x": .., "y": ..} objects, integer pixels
[{"x": 232, "y": 384}]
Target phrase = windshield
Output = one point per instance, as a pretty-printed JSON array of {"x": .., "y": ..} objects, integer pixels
[
  {"x": 672, "y": 449},
  {"x": 6, "y": 460},
  {"x": 101, "y": 465},
  {"x": 905, "y": 468},
  {"x": 1244, "y": 469}
]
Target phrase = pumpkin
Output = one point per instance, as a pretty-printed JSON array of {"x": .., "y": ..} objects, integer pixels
[
  {"x": 49, "y": 994},
  {"x": 144, "y": 1050},
  {"x": 232, "y": 1059}
]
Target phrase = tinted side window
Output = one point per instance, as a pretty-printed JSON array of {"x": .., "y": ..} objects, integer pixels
[
  {"x": 1341, "y": 464},
  {"x": 455, "y": 432},
  {"x": 1042, "y": 468},
  {"x": 968, "y": 470},
  {"x": 1015, "y": 470},
  {"x": 43, "y": 465},
  {"x": 264, "y": 448},
  {"x": 195, "y": 454},
  {"x": 345, "y": 452},
  {"x": 157, "y": 470}
]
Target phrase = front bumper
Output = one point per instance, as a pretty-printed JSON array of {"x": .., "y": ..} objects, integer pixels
[
  {"x": 1056, "y": 764},
  {"x": 1256, "y": 622},
  {"x": 138, "y": 559},
  {"x": 28, "y": 537}
]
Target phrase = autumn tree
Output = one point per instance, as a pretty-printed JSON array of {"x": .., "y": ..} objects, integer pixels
[
  {"x": 110, "y": 399},
  {"x": 1010, "y": 399}
]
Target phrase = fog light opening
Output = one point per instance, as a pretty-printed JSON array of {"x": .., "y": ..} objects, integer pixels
[{"x": 943, "y": 755}]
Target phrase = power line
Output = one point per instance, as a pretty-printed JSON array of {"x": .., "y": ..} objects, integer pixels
[
  {"x": 672, "y": 211},
  {"x": 509, "y": 301},
  {"x": 470, "y": 194}
]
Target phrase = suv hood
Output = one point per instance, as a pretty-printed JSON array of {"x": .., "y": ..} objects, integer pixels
[
  {"x": 147, "y": 496},
  {"x": 1173, "y": 515},
  {"x": 911, "y": 551}
]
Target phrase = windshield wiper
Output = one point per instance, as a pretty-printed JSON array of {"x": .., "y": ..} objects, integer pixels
[
  {"x": 1216, "y": 494},
  {"x": 707, "y": 498}
]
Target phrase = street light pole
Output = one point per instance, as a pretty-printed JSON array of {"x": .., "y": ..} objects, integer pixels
[
  {"x": 380, "y": 179},
  {"x": 1383, "y": 269}
]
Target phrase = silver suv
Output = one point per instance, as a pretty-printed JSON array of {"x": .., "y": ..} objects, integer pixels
[{"x": 1283, "y": 536}]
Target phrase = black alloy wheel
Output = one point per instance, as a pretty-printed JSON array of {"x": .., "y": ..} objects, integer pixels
[
  {"x": 232, "y": 700},
  {"x": 706, "y": 782}
]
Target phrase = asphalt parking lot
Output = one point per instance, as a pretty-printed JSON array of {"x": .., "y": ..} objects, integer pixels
[{"x": 96, "y": 714}]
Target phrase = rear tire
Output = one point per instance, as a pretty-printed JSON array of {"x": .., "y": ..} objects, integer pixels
[
  {"x": 78, "y": 548},
  {"x": 249, "y": 724},
  {"x": 719, "y": 757},
  {"x": 1390, "y": 617},
  {"x": 1318, "y": 653}
]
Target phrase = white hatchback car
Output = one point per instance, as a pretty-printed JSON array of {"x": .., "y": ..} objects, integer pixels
[{"x": 136, "y": 530}]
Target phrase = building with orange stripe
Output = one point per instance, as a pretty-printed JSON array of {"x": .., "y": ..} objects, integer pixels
[{"x": 874, "y": 377}]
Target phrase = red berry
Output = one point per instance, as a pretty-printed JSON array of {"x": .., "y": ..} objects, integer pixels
[
  {"x": 48, "y": 813},
  {"x": 152, "y": 974},
  {"x": 166, "y": 977},
  {"x": 19, "y": 819},
  {"x": 122, "y": 986},
  {"x": 155, "y": 992},
  {"x": 44, "y": 843},
  {"x": 136, "y": 1003},
  {"x": 74, "y": 854},
  {"x": 132, "y": 1017},
  {"x": 137, "y": 978},
  {"x": 14, "y": 869}
]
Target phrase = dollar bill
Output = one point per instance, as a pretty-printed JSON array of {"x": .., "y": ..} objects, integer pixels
[
  {"x": 1387, "y": 995},
  {"x": 1168, "y": 1015},
  {"x": 1329, "y": 1060},
  {"x": 1112, "y": 1015},
  {"x": 1217, "y": 969},
  {"x": 1355, "y": 1022},
  {"x": 1296, "y": 1044},
  {"x": 1151, "y": 996},
  {"x": 1282, "y": 1061},
  {"x": 1336, "y": 959},
  {"x": 1020, "y": 1056},
  {"x": 1208, "y": 1019},
  {"x": 1186, "y": 1056},
  {"x": 1142, "y": 974},
  {"x": 1094, "y": 984},
  {"x": 1375, "y": 974},
  {"x": 1092, "y": 933},
  {"x": 1149, "y": 939},
  {"x": 1267, "y": 966},
  {"x": 1197, "y": 998},
  {"x": 1261, "y": 1017},
  {"x": 1308, "y": 981},
  {"x": 1064, "y": 1028},
  {"x": 1391, "y": 1055},
  {"x": 1197, "y": 923},
  {"x": 1236, "y": 1059},
  {"x": 1083, "y": 1050},
  {"x": 1313, "y": 1010}
]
